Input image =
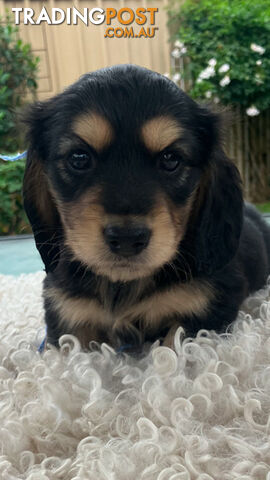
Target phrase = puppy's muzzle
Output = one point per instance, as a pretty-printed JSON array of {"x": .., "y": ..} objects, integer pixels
[{"x": 127, "y": 241}]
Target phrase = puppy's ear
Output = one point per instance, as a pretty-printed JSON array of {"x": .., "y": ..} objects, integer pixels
[
  {"x": 39, "y": 203},
  {"x": 220, "y": 215}
]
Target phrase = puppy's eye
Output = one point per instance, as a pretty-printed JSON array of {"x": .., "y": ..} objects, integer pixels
[
  {"x": 80, "y": 161},
  {"x": 168, "y": 162}
]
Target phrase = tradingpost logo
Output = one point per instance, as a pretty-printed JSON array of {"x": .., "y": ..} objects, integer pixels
[{"x": 123, "y": 23}]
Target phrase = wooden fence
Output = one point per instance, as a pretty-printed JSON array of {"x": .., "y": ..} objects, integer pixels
[{"x": 248, "y": 143}]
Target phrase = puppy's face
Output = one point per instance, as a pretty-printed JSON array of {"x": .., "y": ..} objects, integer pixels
[
  {"x": 123, "y": 189},
  {"x": 121, "y": 155}
]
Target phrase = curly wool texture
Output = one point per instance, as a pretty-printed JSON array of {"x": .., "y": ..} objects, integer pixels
[{"x": 201, "y": 412}]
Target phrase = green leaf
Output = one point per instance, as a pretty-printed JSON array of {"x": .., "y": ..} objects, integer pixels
[
  {"x": 225, "y": 30},
  {"x": 18, "y": 77}
]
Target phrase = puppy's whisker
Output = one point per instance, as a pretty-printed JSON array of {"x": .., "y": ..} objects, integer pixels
[{"x": 186, "y": 266}]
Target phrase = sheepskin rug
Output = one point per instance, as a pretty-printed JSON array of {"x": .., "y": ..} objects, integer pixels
[{"x": 199, "y": 412}]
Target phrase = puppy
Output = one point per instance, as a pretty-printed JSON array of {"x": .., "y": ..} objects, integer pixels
[{"x": 137, "y": 212}]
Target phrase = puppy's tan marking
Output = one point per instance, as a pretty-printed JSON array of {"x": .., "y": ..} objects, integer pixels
[
  {"x": 85, "y": 219},
  {"x": 185, "y": 299},
  {"x": 169, "y": 339},
  {"x": 76, "y": 311},
  {"x": 160, "y": 132},
  {"x": 87, "y": 315},
  {"x": 181, "y": 214},
  {"x": 94, "y": 129}
]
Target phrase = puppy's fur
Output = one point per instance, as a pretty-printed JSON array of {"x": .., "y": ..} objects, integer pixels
[{"x": 153, "y": 162}]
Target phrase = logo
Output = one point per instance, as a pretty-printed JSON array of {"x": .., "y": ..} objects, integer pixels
[{"x": 131, "y": 23}]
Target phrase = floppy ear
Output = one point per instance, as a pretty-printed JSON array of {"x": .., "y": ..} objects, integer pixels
[
  {"x": 219, "y": 221},
  {"x": 39, "y": 204}
]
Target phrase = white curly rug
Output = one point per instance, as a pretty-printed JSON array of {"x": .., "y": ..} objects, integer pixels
[{"x": 201, "y": 413}]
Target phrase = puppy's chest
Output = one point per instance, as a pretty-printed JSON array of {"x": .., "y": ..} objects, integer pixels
[
  {"x": 105, "y": 305},
  {"x": 117, "y": 304},
  {"x": 114, "y": 297},
  {"x": 114, "y": 308}
]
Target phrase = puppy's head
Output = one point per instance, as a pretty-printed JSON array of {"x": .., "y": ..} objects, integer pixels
[{"x": 121, "y": 166}]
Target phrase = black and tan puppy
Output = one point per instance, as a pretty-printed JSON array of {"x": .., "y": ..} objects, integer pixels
[{"x": 137, "y": 212}]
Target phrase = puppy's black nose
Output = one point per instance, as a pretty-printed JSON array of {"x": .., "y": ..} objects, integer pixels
[{"x": 127, "y": 241}]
